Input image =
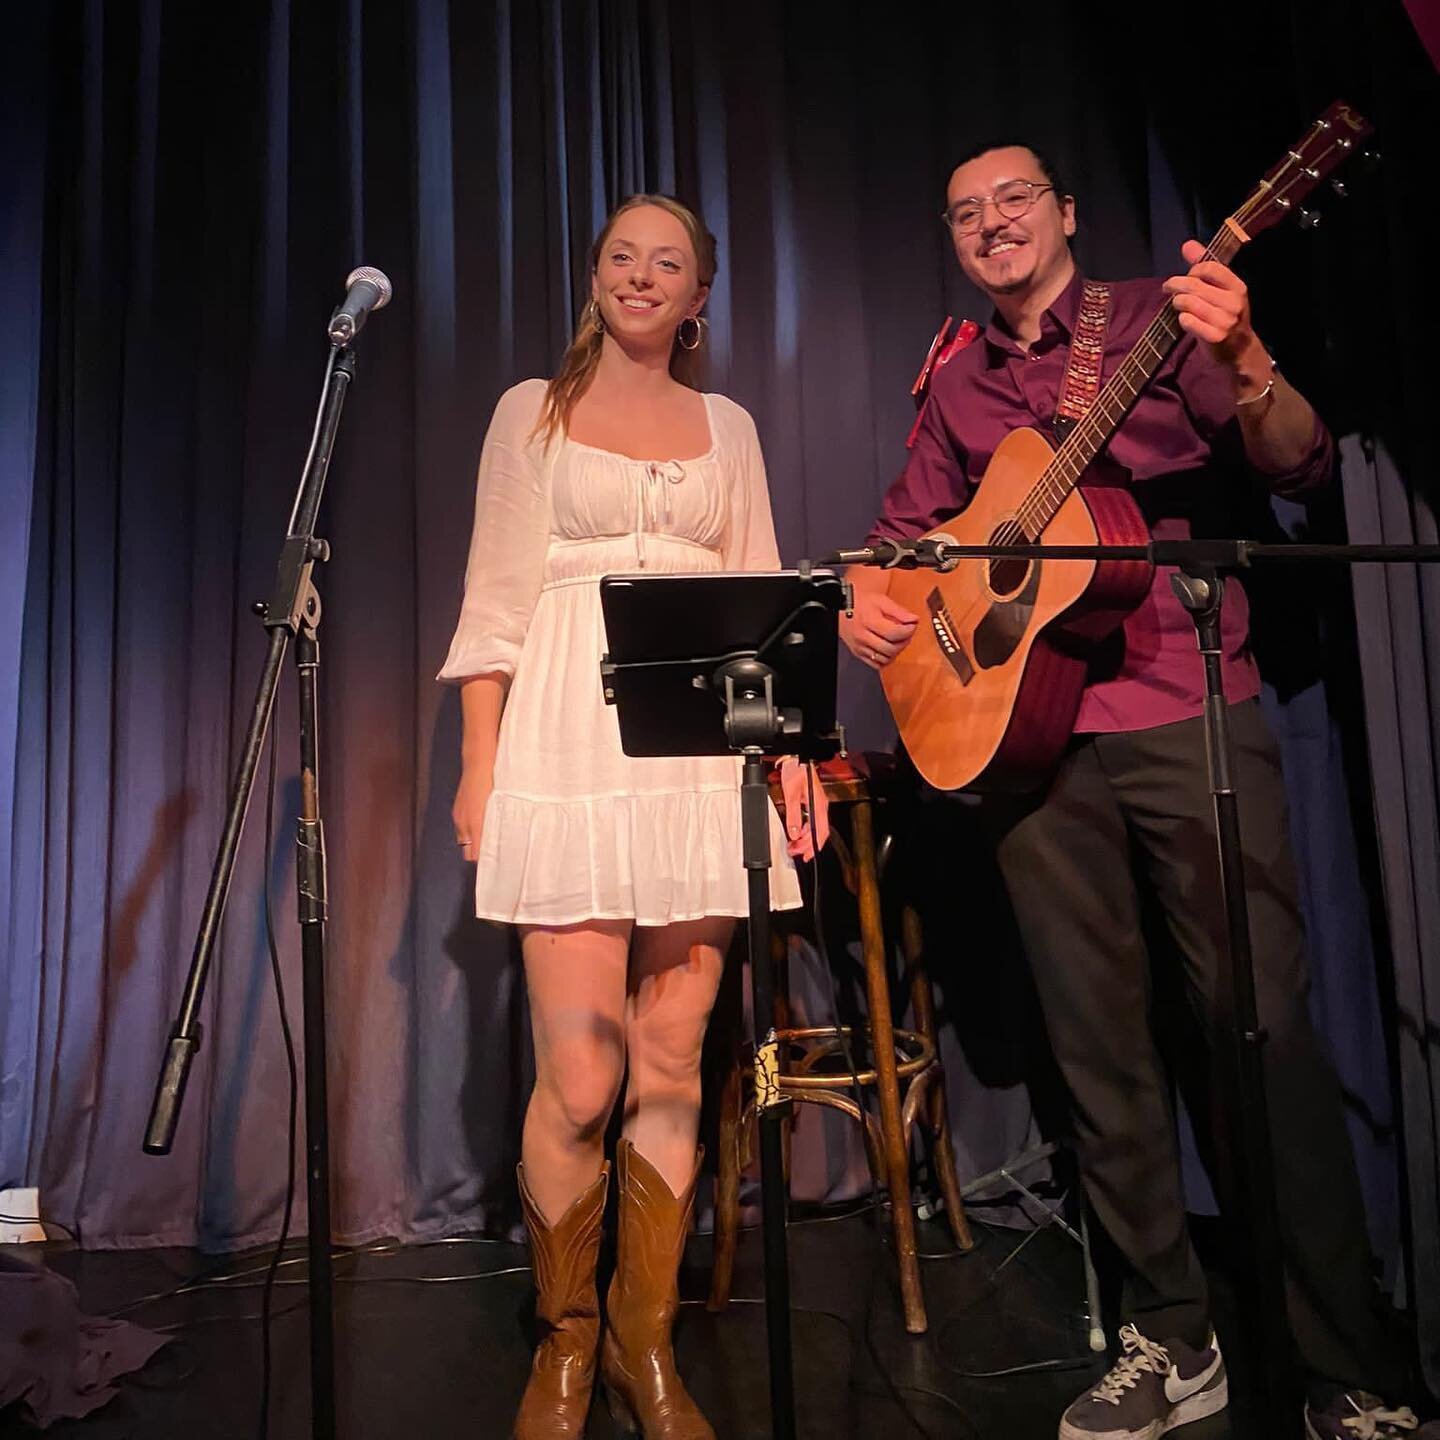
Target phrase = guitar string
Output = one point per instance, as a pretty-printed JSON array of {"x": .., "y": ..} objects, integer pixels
[
  {"x": 1013, "y": 531},
  {"x": 1165, "y": 322},
  {"x": 1164, "y": 326},
  {"x": 1055, "y": 484},
  {"x": 1166, "y": 319}
]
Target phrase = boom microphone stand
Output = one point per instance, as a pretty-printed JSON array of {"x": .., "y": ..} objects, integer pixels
[
  {"x": 293, "y": 611},
  {"x": 1200, "y": 589}
]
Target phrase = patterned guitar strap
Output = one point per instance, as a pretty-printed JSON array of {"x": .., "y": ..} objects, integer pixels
[{"x": 1081, "y": 383}]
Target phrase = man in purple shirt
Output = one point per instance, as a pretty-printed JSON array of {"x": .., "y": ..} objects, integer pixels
[{"x": 1129, "y": 807}]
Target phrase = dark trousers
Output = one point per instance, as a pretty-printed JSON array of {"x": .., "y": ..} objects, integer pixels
[{"x": 1132, "y": 810}]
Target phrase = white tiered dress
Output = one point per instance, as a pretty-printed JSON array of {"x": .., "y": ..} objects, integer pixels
[{"x": 575, "y": 829}]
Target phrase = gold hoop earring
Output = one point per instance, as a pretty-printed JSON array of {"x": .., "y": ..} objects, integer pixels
[{"x": 694, "y": 344}]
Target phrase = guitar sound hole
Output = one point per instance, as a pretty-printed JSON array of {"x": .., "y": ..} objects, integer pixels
[{"x": 1007, "y": 575}]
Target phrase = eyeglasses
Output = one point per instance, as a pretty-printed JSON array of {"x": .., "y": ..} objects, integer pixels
[{"x": 1012, "y": 200}]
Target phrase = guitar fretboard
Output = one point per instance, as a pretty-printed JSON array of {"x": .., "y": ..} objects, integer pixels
[{"x": 1111, "y": 405}]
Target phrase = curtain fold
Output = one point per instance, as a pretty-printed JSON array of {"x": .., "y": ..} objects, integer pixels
[
  {"x": 23, "y": 113},
  {"x": 1398, "y": 610},
  {"x": 182, "y": 206}
]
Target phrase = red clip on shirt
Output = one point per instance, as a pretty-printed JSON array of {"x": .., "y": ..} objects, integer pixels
[{"x": 939, "y": 356}]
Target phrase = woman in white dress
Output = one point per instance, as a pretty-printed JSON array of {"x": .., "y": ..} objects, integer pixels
[{"x": 624, "y": 875}]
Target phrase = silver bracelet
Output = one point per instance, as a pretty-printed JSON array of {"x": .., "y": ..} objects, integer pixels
[{"x": 1256, "y": 399}]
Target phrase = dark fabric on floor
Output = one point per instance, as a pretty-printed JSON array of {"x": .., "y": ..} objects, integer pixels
[{"x": 55, "y": 1362}]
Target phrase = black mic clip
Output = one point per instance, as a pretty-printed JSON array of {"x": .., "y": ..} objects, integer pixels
[
  {"x": 930, "y": 553},
  {"x": 888, "y": 554}
]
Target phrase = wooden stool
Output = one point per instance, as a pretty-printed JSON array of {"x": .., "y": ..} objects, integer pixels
[{"x": 908, "y": 1057}]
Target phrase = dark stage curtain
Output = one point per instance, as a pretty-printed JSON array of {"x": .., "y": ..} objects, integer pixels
[{"x": 182, "y": 199}]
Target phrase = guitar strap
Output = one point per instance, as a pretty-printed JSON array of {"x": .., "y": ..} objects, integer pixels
[{"x": 1081, "y": 383}]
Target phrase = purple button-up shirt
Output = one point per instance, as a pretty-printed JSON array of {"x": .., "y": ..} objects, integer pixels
[{"x": 1182, "y": 450}]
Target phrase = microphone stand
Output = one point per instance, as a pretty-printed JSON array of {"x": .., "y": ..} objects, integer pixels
[
  {"x": 1200, "y": 589},
  {"x": 293, "y": 611}
]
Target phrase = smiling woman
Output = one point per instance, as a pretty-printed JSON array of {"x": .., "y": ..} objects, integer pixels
[
  {"x": 623, "y": 874},
  {"x": 651, "y": 268}
]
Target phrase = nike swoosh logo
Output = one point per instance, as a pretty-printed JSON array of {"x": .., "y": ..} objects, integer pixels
[{"x": 1177, "y": 1388}]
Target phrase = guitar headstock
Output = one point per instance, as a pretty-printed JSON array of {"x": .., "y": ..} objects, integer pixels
[{"x": 1328, "y": 143}]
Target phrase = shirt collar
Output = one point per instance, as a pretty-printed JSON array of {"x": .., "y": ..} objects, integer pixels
[{"x": 1062, "y": 315}]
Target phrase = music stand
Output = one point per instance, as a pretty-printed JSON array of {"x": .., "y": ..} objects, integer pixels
[{"x": 722, "y": 664}]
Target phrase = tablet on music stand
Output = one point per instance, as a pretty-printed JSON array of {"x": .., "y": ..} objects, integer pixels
[{"x": 675, "y": 642}]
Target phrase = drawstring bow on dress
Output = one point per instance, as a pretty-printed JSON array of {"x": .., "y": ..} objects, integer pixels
[{"x": 654, "y": 499}]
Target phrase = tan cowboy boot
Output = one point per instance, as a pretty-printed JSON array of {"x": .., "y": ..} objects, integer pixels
[
  {"x": 637, "y": 1364},
  {"x": 562, "y": 1375}
]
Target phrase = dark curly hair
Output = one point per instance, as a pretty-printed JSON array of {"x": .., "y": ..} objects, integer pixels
[{"x": 1047, "y": 167}]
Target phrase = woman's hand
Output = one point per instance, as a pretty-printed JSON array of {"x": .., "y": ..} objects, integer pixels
[
  {"x": 472, "y": 795},
  {"x": 482, "y": 698}
]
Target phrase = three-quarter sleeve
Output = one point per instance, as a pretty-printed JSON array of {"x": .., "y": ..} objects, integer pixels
[
  {"x": 750, "y": 527},
  {"x": 1209, "y": 396},
  {"x": 508, "y": 544}
]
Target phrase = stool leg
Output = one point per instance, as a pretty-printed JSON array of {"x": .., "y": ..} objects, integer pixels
[
  {"x": 922, "y": 1002},
  {"x": 887, "y": 1081}
]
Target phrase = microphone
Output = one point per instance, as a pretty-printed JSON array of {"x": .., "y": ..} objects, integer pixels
[
  {"x": 887, "y": 554},
  {"x": 366, "y": 289}
]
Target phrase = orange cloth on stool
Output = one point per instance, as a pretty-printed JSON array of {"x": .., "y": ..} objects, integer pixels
[{"x": 795, "y": 786}]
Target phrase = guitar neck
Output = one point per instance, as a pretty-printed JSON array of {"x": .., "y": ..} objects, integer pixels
[{"x": 1113, "y": 402}]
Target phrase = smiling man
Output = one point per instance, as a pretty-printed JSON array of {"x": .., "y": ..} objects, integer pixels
[{"x": 1125, "y": 821}]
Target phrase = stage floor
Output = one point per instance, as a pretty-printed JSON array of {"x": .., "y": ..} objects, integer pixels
[{"x": 433, "y": 1342}]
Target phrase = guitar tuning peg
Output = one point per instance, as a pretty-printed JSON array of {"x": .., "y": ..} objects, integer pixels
[
  {"x": 1371, "y": 159},
  {"x": 1309, "y": 219},
  {"x": 1340, "y": 188}
]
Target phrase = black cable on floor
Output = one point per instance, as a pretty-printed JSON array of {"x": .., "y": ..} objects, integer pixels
[
  {"x": 948, "y": 1400},
  {"x": 214, "y": 1277},
  {"x": 1059, "y": 1363},
  {"x": 895, "y": 1391},
  {"x": 892, "y": 1389}
]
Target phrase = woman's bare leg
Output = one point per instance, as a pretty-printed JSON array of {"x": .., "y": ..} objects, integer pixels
[
  {"x": 576, "y": 980},
  {"x": 674, "y": 974}
]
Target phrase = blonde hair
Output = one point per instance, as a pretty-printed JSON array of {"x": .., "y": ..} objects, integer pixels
[{"x": 577, "y": 367}]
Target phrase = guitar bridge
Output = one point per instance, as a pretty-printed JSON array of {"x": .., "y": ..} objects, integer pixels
[{"x": 946, "y": 637}]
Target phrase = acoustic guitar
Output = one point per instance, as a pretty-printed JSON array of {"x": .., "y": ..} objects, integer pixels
[{"x": 986, "y": 693}]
